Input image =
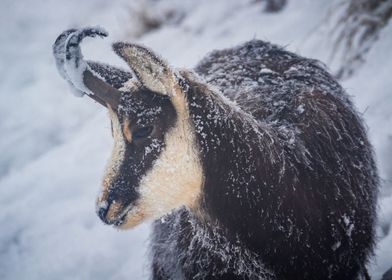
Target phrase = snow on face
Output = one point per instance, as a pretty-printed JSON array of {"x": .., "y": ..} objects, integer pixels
[{"x": 149, "y": 175}]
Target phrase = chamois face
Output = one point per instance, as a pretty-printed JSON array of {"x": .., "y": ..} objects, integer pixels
[
  {"x": 154, "y": 166},
  {"x": 138, "y": 129}
]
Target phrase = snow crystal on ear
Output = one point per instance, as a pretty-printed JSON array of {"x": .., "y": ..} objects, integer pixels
[{"x": 151, "y": 70}]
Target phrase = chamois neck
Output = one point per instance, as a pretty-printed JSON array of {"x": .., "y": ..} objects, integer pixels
[{"x": 237, "y": 153}]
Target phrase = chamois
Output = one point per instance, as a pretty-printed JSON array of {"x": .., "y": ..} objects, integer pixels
[{"x": 255, "y": 165}]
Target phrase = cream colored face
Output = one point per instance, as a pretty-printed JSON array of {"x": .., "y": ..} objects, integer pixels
[{"x": 155, "y": 165}]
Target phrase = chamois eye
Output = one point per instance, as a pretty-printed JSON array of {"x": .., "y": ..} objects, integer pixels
[{"x": 142, "y": 132}]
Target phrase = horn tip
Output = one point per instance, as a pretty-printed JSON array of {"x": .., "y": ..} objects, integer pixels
[
  {"x": 92, "y": 31},
  {"x": 98, "y": 30}
]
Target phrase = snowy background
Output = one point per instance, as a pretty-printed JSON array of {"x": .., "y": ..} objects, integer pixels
[{"x": 53, "y": 146}]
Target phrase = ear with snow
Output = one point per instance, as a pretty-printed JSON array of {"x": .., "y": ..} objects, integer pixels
[{"x": 152, "y": 72}]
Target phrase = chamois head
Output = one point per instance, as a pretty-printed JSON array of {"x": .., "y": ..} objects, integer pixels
[{"x": 154, "y": 166}]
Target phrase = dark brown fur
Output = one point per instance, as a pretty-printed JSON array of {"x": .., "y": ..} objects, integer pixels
[{"x": 289, "y": 173}]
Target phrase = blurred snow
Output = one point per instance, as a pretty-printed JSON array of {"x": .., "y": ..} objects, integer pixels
[{"x": 54, "y": 146}]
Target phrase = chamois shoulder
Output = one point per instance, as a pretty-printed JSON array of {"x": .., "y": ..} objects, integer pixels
[{"x": 264, "y": 79}]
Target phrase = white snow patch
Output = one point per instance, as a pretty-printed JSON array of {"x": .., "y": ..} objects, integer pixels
[
  {"x": 266, "y": 71},
  {"x": 301, "y": 108}
]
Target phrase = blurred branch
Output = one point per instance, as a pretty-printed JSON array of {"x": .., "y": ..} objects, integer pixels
[
  {"x": 149, "y": 15},
  {"x": 356, "y": 30},
  {"x": 273, "y": 6}
]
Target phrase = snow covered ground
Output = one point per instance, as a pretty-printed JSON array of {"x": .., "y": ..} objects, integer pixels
[{"x": 54, "y": 146}]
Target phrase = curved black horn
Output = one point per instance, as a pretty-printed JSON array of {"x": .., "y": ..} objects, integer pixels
[
  {"x": 59, "y": 51},
  {"x": 78, "y": 72}
]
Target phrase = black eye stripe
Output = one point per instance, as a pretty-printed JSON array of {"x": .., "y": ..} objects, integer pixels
[{"x": 142, "y": 132}]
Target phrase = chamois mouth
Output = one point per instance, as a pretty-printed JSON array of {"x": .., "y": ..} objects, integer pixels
[
  {"x": 122, "y": 218},
  {"x": 105, "y": 213},
  {"x": 119, "y": 221}
]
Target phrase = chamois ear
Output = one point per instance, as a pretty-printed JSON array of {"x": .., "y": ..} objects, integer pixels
[{"x": 152, "y": 71}]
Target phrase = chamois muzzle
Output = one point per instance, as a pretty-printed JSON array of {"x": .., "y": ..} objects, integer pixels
[{"x": 80, "y": 73}]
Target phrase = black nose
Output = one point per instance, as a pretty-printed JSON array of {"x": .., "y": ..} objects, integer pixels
[
  {"x": 102, "y": 210},
  {"x": 102, "y": 213}
]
